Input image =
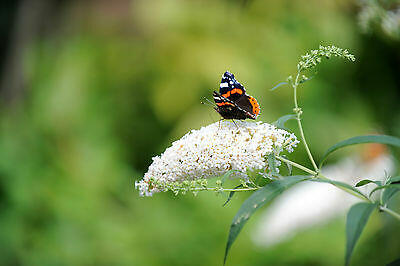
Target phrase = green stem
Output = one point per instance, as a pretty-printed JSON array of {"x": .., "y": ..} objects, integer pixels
[
  {"x": 299, "y": 166},
  {"x": 389, "y": 211},
  {"x": 298, "y": 113},
  {"x": 360, "y": 196},
  {"x": 295, "y": 89},
  {"x": 319, "y": 175},
  {"x": 227, "y": 189}
]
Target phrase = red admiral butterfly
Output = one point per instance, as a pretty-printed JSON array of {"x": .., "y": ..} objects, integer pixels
[{"x": 232, "y": 100}]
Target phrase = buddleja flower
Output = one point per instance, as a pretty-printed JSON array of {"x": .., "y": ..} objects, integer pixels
[
  {"x": 213, "y": 150},
  {"x": 314, "y": 57}
]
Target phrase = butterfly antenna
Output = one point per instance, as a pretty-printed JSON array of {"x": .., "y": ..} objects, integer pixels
[
  {"x": 207, "y": 102},
  {"x": 235, "y": 124}
]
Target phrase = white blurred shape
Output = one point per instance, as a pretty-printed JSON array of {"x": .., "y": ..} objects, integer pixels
[{"x": 308, "y": 203}]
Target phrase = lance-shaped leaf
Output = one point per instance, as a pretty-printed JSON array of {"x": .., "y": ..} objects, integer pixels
[
  {"x": 226, "y": 175},
  {"x": 272, "y": 163},
  {"x": 280, "y": 123},
  {"x": 394, "y": 180},
  {"x": 278, "y": 85},
  {"x": 231, "y": 195},
  {"x": 257, "y": 200},
  {"x": 288, "y": 165},
  {"x": 389, "y": 192},
  {"x": 383, "y": 139},
  {"x": 338, "y": 184},
  {"x": 367, "y": 181},
  {"x": 357, "y": 218},
  {"x": 391, "y": 186}
]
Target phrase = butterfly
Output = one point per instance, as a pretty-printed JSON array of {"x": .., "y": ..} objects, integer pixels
[{"x": 233, "y": 102}]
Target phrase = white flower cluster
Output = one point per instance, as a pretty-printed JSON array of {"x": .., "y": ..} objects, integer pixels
[
  {"x": 314, "y": 57},
  {"x": 215, "y": 149}
]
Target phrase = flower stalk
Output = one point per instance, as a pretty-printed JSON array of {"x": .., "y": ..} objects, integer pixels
[
  {"x": 390, "y": 212},
  {"x": 319, "y": 175},
  {"x": 220, "y": 189},
  {"x": 299, "y": 112},
  {"x": 299, "y": 166}
]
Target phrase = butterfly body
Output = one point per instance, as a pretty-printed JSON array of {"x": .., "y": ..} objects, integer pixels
[{"x": 233, "y": 102}]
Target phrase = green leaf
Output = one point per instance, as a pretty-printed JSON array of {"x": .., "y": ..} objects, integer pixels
[
  {"x": 226, "y": 175},
  {"x": 231, "y": 195},
  {"x": 357, "y": 218},
  {"x": 272, "y": 164},
  {"x": 280, "y": 123},
  {"x": 388, "y": 193},
  {"x": 396, "y": 186},
  {"x": 367, "y": 181},
  {"x": 277, "y": 86},
  {"x": 383, "y": 139},
  {"x": 257, "y": 200},
  {"x": 339, "y": 184},
  {"x": 262, "y": 179},
  {"x": 393, "y": 180},
  {"x": 288, "y": 165}
]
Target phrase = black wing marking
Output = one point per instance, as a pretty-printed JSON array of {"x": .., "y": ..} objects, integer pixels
[
  {"x": 228, "y": 83},
  {"x": 218, "y": 98}
]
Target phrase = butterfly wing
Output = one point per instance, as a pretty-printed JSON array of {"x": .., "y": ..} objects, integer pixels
[
  {"x": 230, "y": 88},
  {"x": 241, "y": 109},
  {"x": 232, "y": 101},
  {"x": 250, "y": 105}
]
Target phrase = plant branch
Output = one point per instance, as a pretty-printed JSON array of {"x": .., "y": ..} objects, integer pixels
[
  {"x": 389, "y": 211},
  {"x": 226, "y": 189},
  {"x": 298, "y": 112},
  {"x": 305, "y": 169},
  {"x": 319, "y": 175},
  {"x": 360, "y": 196}
]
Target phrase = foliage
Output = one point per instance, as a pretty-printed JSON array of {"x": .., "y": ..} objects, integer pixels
[
  {"x": 358, "y": 215},
  {"x": 257, "y": 200},
  {"x": 107, "y": 85}
]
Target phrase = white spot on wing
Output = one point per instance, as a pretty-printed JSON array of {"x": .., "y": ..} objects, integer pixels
[{"x": 223, "y": 85}]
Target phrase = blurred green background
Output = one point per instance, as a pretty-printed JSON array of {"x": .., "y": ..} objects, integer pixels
[{"x": 92, "y": 90}]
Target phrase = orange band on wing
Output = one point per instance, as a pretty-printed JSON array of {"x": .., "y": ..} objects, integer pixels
[
  {"x": 226, "y": 95},
  {"x": 239, "y": 91},
  {"x": 225, "y": 103},
  {"x": 235, "y": 90},
  {"x": 255, "y": 105}
]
